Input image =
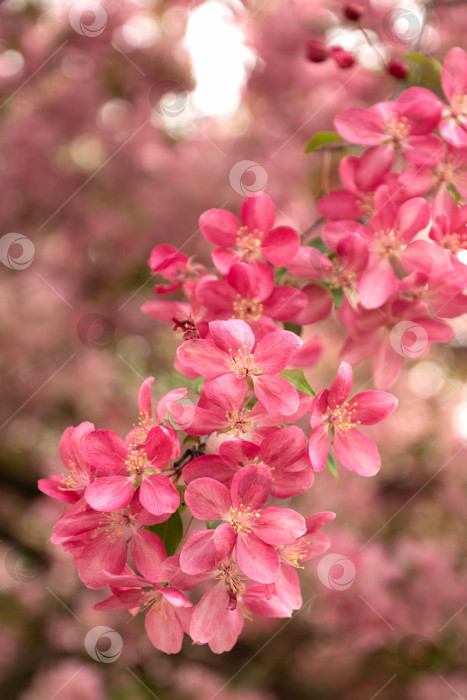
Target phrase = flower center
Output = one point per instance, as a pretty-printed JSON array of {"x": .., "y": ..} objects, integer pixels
[
  {"x": 113, "y": 525},
  {"x": 242, "y": 363},
  {"x": 242, "y": 519},
  {"x": 295, "y": 553},
  {"x": 367, "y": 204},
  {"x": 389, "y": 241},
  {"x": 339, "y": 277},
  {"x": 141, "y": 429},
  {"x": 341, "y": 417},
  {"x": 75, "y": 480},
  {"x": 248, "y": 242},
  {"x": 232, "y": 577},
  {"x": 239, "y": 422},
  {"x": 398, "y": 128},
  {"x": 136, "y": 462},
  {"x": 459, "y": 105},
  {"x": 247, "y": 308},
  {"x": 456, "y": 241}
]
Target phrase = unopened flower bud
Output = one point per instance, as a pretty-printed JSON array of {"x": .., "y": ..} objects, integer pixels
[
  {"x": 397, "y": 68},
  {"x": 343, "y": 58},
  {"x": 353, "y": 11},
  {"x": 316, "y": 51}
]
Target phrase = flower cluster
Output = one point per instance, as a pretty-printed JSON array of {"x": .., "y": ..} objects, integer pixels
[{"x": 182, "y": 518}]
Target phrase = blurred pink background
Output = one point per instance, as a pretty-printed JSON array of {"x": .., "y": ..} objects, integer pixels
[{"x": 120, "y": 124}]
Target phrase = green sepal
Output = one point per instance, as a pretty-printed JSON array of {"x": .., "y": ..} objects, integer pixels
[
  {"x": 321, "y": 140},
  {"x": 298, "y": 380}
]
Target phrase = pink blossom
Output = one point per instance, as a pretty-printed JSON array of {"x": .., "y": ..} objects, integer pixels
[
  {"x": 167, "y": 610},
  {"x": 332, "y": 413},
  {"x": 231, "y": 347},
  {"x": 70, "y": 487},
  {"x": 99, "y": 542},
  {"x": 406, "y": 122},
  {"x": 252, "y": 529},
  {"x": 282, "y": 450},
  {"x": 121, "y": 468},
  {"x": 249, "y": 293},
  {"x": 389, "y": 234},
  {"x": 454, "y": 82},
  {"x": 251, "y": 237}
]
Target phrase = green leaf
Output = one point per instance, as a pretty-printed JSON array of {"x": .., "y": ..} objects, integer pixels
[
  {"x": 298, "y": 380},
  {"x": 279, "y": 273},
  {"x": 321, "y": 139},
  {"x": 212, "y": 524},
  {"x": 197, "y": 384},
  {"x": 252, "y": 402},
  {"x": 293, "y": 328},
  {"x": 424, "y": 71},
  {"x": 319, "y": 244},
  {"x": 331, "y": 466},
  {"x": 170, "y": 532},
  {"x": 338, "y": 295}
]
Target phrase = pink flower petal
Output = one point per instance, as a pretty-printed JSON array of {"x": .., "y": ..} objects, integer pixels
[
  {"x": 144, "y": 397},
  {"x": 203, "y": 356},
  {"x": 280, "y": 245},
  {"x": 228, "y": 633},
  {"x": 371, "y": 407},
  {"x": 103, "y": 553},
  {"x": 199, "y": 552},
  {"x": 279, "y": 525},
  {"x": 377, "y": 283},
  {"x": 257, "y": 212},
  {"x": 219, "y": 226},
  {"x": 275, "y": 350},
  {"x": 109, "y": 493},
  {"x": 158, "y": 446},
  {"x": 318, "y": 448},
  {"x": 158, "y": 495},
  {"x": 207, "y": 499},
  {"x": 231, "y": 335},
  {"x": 360, "y": 126},
  {"x": 341, "y": 385},
  {"x": 105, "y": 451},
  {"x": 276, "y": 394},
  {"x": 284, "y": 303},
  {"x": 357, "y": 452},
  {"x": 209, "y": 614},
  {"x": 257, "y": 559},
  {"x": 257, "y": 602},
  {"x": 251, "y": 486},
  {"x": 148, "y": 553},
  {"x": 339, "y": 205},
  {"x": 164, "y": 629}
]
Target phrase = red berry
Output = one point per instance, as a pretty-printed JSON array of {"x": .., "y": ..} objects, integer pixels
[
  {"x": 343, "y": 58},
  {"x": 316, "y": 51},
  {"x": 398, "y": 69},
  {"x": 353, "y": 11}
]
